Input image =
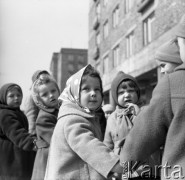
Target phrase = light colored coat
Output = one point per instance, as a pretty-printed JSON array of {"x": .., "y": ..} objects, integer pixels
[
  {"x": 76, "y": 150},
  {"x": 162, "y": 122}
]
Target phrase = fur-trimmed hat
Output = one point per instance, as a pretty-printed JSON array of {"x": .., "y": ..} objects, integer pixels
[
  {"x": 180, "y": 28},
  {"x": 121, "y": 76},
  {"x": 169, "y": 52}
]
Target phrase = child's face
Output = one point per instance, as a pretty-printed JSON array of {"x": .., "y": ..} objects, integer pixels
[
  {"x": 14, "y": 98},
  {"x": 126, "y": 95},
  {"x": 49, "y": 94},
  {"x": 90, "y": 94},
  {"x": 166, "y": 67},
  {"x": 181, "y": 43}
]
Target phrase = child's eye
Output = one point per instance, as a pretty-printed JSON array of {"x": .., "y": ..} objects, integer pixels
[
  {"x": 85, "y": 89},
  {"x": 120, "y": 92},
  {"x": 97, "y": 89},
  {"x": 162, "y": 65},
  {"x": 131, "y": 91},
  {"x": 54, "y": 90}
]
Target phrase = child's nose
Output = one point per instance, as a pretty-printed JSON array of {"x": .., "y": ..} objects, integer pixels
[
  {"x": 127, "y": 94},
  {"x": 51, "y": 94},
  {"x": 93, "y": 93}
]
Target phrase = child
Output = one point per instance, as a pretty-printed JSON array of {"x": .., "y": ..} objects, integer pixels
[
  {"x": 76, "y": 150},
  {"x": 30, "y": 109},
  {"x": 126, "y": 94},
  {"x": 16, "y": 144},
  {"x": 108, "y": 109},
  {"x": 45, "y": 93},
  {"x": 180, "y": 34},
  {"x": 168, "y": 57}
]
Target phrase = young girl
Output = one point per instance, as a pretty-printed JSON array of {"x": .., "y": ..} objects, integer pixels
[
  {"x": 76, "y": 150},
  {"x": 16, "y": 144},
  {"x": 30, "y": 109},
  {"x": 45, "y": 94}
]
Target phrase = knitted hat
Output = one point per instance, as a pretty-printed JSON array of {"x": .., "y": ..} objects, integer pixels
[
  {"x": 121, "y": 76},
  {"x": 37, "y": 73},
  {"x": 180, "y": 28},
  {"x": 169, "y": 52}
]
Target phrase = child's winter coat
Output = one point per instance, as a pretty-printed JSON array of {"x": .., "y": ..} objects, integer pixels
[
  {"x": 45, "y": 124},
  {"x": 76, "y": 150},
  {"x": 16, "y": 144}
]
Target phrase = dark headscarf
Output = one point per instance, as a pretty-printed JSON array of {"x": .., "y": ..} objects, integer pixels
[
  {"x": 4, "y": 89},
  {"x": 121, "y": 76}
]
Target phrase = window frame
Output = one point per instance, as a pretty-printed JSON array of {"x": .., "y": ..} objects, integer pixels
[
  {"x": 129, "y": 44},
  {"x": 115, "y": 16},
  {"x": 105, "y": 29},
  {"x": 147, "y": 28},
  {"x": 116, "y": 55}
]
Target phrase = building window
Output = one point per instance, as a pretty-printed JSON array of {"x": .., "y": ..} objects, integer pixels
[
  {"x": 128, "y": 5},
  {"x": 147, "y": 29},
  {"x": 116, "y": 16},
  {"x": 70, "y": 58},
  {"x": 98, "y": 10},
  {"x": 116, "y": 51},
  {"x": 106, "y": 64},
  {"x": 105, "y": 29},
  {"x": 98, "y": 38},
  {"x": 105, "y": 2},
  {"x": 129, "y": 44}
]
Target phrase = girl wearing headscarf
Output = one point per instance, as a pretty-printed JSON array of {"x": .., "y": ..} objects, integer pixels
[
  {"x": 76, "y": 150},
  {"x": 45, "y": 93}
]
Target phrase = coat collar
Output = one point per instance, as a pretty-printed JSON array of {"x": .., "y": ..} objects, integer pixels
[{"x": 69, "y": 108}]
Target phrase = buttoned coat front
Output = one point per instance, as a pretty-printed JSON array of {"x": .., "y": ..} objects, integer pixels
[{"x": 76, "y": 150}]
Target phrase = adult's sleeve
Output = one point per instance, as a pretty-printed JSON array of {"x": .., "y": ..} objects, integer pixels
[
  {"x": 150, "y": 127},
  {"x": 80, "y": 136}
]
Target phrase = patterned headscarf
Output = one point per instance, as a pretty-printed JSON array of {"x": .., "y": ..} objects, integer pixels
[
  {"x": 72, "y": 90},
  {"x": 36, "y": 98}
]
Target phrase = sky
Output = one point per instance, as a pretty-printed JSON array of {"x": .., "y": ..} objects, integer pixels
[{"x": 32, "y": 30}]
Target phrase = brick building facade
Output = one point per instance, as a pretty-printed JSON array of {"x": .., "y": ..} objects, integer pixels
[
  {"x": 124, "y": 35},
  {"x": 67, "y": 62}
]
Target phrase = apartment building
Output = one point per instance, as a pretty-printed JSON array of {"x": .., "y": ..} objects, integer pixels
[
  {"x": 124, "y": 35},
  {"x": 67, "y": 62}
]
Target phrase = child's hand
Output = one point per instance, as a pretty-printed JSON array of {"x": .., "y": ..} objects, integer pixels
[{"x": 133, "y": 109}]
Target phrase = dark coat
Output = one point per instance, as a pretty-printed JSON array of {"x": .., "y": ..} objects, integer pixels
[
  {"x": 45, "y": 124},
  {"x": 160, "y": 123},
  {"x": 16, "y": 144},
  {"x": 76, "y": 150}
]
